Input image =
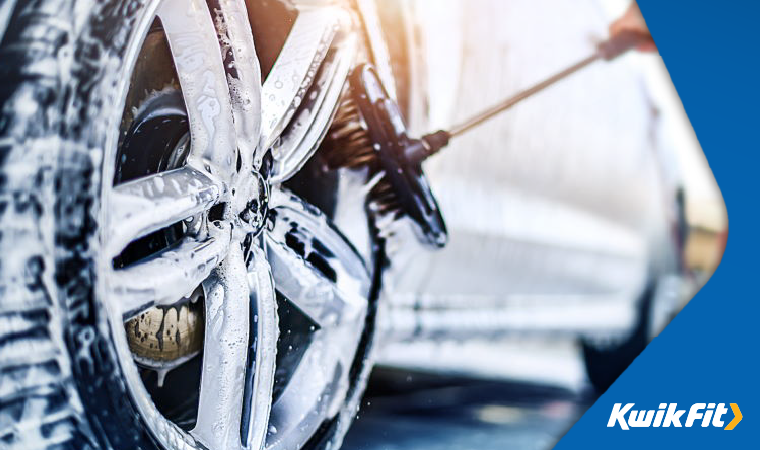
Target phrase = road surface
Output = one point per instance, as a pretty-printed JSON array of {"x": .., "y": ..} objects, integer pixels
[{"x": 406, "y": 411}]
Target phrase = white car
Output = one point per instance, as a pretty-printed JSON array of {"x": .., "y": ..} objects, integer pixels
[
  {"x": 199, "y": 231},
  {"x": 565, "y": 215}
]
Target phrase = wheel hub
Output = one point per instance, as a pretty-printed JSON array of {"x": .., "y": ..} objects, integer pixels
[{"x": 255, "y": 213}]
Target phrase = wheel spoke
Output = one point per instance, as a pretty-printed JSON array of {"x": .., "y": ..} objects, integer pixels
[
  {"x": 197, "y": 58},
  {"x": 224, "y": 354},
  {"x": 168, "y": 276},
  {"x": 261, "y": 361},
  {"x": 319, "y": 272},
  {"x": 151, "y": 203},
  {"x": 243, "y": 73},
  {"x": 295, "y": 69},
  {"x": 312, "y": 119},
  {"x": 313, "y": 264}
]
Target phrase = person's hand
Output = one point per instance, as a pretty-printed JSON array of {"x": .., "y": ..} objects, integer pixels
[{"x": 633, "y": 22}]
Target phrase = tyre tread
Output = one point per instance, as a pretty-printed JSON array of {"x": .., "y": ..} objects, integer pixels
[{"x": 39, "y": 406}]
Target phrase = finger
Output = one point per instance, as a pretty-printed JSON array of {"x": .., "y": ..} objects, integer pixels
[{"x": 647, "y": 47}]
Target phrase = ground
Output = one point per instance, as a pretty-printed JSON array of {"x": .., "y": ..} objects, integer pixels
[{"x": 413, "y": 411}]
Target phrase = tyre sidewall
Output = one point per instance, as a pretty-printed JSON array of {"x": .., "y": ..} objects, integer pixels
[{"x": 93, "y": 87}]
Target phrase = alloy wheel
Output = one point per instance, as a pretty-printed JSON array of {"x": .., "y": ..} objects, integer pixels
[{"x": 202, "y": 250}]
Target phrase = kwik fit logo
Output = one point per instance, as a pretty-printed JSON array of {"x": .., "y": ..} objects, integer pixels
[{"x": 668, "y": 415}]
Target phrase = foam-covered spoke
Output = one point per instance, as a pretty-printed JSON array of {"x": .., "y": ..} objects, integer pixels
[
  {"x": 314, "y": 266},
  {"x": 308, "y": 127},
  {"x": 225, "y": 351},
  {"x": 197, "y": 58},
  {"x": 148, "y": 204},
  {"x": 316, "y": 270},
  {"x": 243, "y": 73},
  {"x": 296, "y": 67},
  {"x": 168, "y": 276},
  {"x": 261, "y": 361}
]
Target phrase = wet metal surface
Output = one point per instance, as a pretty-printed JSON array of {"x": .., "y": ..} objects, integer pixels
[{"x": 406, "y": 411}]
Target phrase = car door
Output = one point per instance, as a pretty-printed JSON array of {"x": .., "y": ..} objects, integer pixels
[{"x": 553, "y": 207}]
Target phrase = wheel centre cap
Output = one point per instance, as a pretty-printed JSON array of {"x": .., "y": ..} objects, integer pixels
[{"x": 256, "y": 210}]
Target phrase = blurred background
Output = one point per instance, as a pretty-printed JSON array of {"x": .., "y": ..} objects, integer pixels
[{"x": 582, "y": 175}]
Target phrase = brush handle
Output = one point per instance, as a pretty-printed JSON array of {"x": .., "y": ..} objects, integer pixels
[
  {"x": 486, "y": 115},
  {"x": 419, "y": 150}
]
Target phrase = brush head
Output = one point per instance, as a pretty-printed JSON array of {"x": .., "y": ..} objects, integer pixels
[{"x": 369, "y": 131}]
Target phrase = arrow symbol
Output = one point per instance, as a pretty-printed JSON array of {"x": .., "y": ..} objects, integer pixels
[{"x": 737, "y": 417}]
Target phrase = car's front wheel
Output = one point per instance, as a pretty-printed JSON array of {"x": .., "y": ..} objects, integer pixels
[{"x": 162, "y": 285}]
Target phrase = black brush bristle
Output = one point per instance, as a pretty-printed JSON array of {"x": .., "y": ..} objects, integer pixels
[{"x": 348, "y": 145}]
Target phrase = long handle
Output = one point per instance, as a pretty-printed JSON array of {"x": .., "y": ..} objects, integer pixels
[
  {"x": 484, "y": 116},
  {"x": 608, "y": 50}
]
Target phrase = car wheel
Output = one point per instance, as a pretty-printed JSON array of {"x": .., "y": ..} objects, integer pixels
[
  {"x": 163, "y": 284},
  {"x": 605, "y": 363}
]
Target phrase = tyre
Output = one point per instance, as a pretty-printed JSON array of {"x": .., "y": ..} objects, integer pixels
[
  {"x": 604, "y": 364},
  {"x": 177, "y": 268}
]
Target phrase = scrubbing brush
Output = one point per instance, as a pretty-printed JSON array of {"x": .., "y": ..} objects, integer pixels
[{"x": 369, "y": 131}]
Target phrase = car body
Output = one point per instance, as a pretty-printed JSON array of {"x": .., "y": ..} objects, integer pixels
[{"x": 561, "y": 212}]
